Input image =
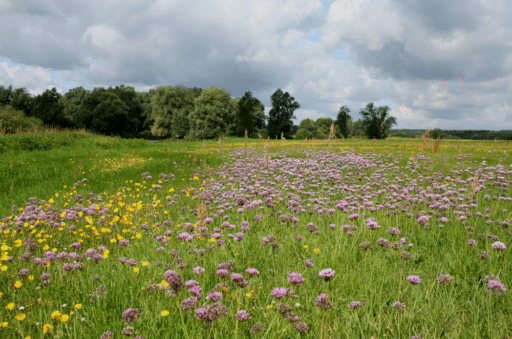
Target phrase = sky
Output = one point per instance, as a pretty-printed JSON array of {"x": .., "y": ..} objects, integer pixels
[{"x": 435, "y": 63}]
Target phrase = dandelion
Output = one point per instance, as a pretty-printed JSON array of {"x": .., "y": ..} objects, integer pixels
[
  {"x": 64, "y": 318},
  {"x": 55, "y": 315},
  {"x": 18, "y": 284},
  {"x": 78, "y": 306}
]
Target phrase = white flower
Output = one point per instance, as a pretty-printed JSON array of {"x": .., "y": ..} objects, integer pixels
[
  {"x": 297, "y": 304},
  {"x": 21, "y": 307}
]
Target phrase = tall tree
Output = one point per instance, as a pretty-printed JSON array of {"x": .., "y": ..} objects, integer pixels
[
  {"x": 342, "y": 122},
  {"x": 247, "y": 109},
  {"x": 281, "y": 114},
  {"x": 307, "y": 129},
  {"x": 167, "y": 101},
  {"x": 376, "y": 122},
  {"x": 323, "y": 127},
  {"x": 46, "y": 107},
  {"x": 71, "y": 100},
  {"x": 212, "y": 113},
  {"x": 129, "y": 96},
  {"x": 5, "y": 95},
  {"x": 103, "y": 112},
  {"x": 22, "y": 100}
]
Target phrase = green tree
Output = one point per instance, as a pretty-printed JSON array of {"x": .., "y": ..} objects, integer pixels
[
  {"x": 281, "y": 114},
  {"x": 323, "y": 128},
  {"x": 46, "y": 107},
  {"x": 213, "y": 110},
  {"x": 21, "y": 100},
  {"x": 5, "y": 95},
  {"x": 145, "y": 102},
  {"x": 342, "y": 122},
  {"x": 168, "y": 100},
  {"x": 376, "y": 122},
  {"x": 129, "y": 96},
  {"x": 248, "y": 107},
  {"x": 103, "y": 112},
  {"x": 308, "y": 125},
  {"x": 435, "y": 133},
  {"x": 357, "y": 128},
  {"x": 71, "y": 100}
]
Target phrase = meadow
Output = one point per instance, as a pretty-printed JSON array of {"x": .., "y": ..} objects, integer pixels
[{"x": 110, "y": 238}]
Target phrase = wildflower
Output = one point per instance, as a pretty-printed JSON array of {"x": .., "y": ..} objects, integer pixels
[
  {"x": 55, "y": 315},
  {"x": 188, "y": 304},
  {"x": 20, "y": 316},
  {"x": 130, "y": 315},
  {"x": 198, "y": 270},
  {"x": 107, "y": 335},
  {"x": 215, "y": 296},
  {"x": 280, "y": 293},
  {"x": 398, "y": 305},
  {"x": 499, "y": 246},
  {"x": 64, "y": 318},
  {"x": 78, "y": 306},
  {"x": 252, "y": 272},
  {"x": 295, "y": 279},
  {"x": 316, "y": 250},
  {"x": 301, "y": 327},
  {"x": 258, "y": 327},
  {"x": 323, "y": 302},
  {"x": 10, "y": 306},
  {"x": 444, "y": 279},
  {"x": 18, "y": 284},
  {"x": 135, "y": 269},
  {"x": 309, "y": 263},
  {"x": 414, "y": 279},
  {"x": 327, "y": 274},
  {"x": 164, "y": 313},
  {"x": 242, "y": 316},
  {"x": 128, "y": 331},
  {"x": 355, "y": 305},
  {"x": 495, "y": 286},
  {"x": 47, "y": 329}
]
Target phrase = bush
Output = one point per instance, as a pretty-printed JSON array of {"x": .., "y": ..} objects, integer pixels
[{"x": 13, "y": 121}]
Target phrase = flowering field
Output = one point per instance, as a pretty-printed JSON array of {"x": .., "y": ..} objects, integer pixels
[{"x": 314, "y": 239}]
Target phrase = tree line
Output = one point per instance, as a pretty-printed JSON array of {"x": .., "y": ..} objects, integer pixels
[{"x": 181, "y": 112}]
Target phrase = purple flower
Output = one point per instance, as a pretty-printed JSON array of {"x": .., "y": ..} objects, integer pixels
[
  {"x": 301, "y": 327},
  {"x": 252, "y": 272},
  {"x": 174, "y": 280},
  {"x": 210, "y": 313},
  {"x": 309, "y": 263},
  {"x": 279, "y": 292},
  {"x": 323, "y": 302},
  {"x": 198, "y": 270},
  {"x": 215, "y": 296},
  {"x": 499, "y": 246},
  {"x": 398, "y": 305},
  {"x": 124, "y": 242},
  {"x": 495, "y": 286},
  {"x": 23, "y": 272},
  {"x": 444, "y": 279},
  {"x": 188, "y": 304},
  {"x": 236, "y": 277},
  {"x": 242, "y": 316},
  {"x": 414, "y": 279},
  {"x": 472, "y": 242},
  {"x": 130, "y": 315},
  {"x": 222, "y": 273},
  {"x": 327, "y": 274},
  {"x": 295, "y": 279},
  {"x": 355, "y": 305},
  {"x": 107, "y": 335}
]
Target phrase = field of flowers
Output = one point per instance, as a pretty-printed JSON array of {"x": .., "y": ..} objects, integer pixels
[{"x": 267, "y": 239}]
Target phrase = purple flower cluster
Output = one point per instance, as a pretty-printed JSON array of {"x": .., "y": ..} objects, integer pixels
[
  {"x": 280, "y": 292},
  {"x": 174, "y": 280},
  {"x": 131, "y": 315},
  {"x": 355, "y": 305},
  {"x": 323, "y": 302},
  {"x": 495, "y": 286},
  {"x": 210, "y": 313},
  {"x": 327, "y": 274},
  {"x": 414, "y": 279},
  {"x": 295, "y": 279},
  {"x": 242, "y": 316}
]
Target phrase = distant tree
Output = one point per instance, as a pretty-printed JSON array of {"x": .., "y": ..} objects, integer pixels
[
  {"x": 21, "y": 100},
  {"x": 281, "y": 114},
  {"x": 213, "y": 110},
  {"x": 247, "y": 109},
  {"x": 46, "y": 107},
  {"x": 71, "y": 100},
  {"x": 6, "y": 95},
  {"x": 145, "y": 101},
  {"x": 260, "y": 119},
  {"x": 103, "y": 112},
  {"x": 309, "y": 125},
  {"x": 342, "y": 122},
  {"x": 435, "y": 133},
  {"x": 323, "y": 127},
  {"x": 167, "y": 101},
  {"x": 129, "y": 96},
  {"x": 357, "y": 128},
  {"x": 376, "y": 122},
  {"x": 303, "y": 133}
]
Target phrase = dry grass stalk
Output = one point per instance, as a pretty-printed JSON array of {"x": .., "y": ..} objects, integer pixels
[
  {"x": 260, "y": 137},
  {"x": 332, "y": 133},
  {"x": 204, "y": 146},
  {"x": 194, "y": 160},
  {"x": 436, "y": 144},
  {"x": 201, "y": 213},
  {"x": 246, "y": 136},
  {"x": 219, "y": 145},
  {"x": 266, "y": 155},
  {"x": 474, "y": 186}
]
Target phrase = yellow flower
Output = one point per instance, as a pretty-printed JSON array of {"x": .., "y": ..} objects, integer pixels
[
  {"x": 30, "y": 277},
  {"x": 269, "y": 307},
  {"x": 305, "y": 246},
  {"x": 78, "y": 306},
  {"x": 55, "y": 315},
  {"x": 4, "y": 268},
  {"x": 18, "y": 284},
  {"x": 105, "y": 254},
  {"x": 10, "y": 306},
  {"x": 28, "y": 337},
  {"x": 20, "y": 316},
  {"x": 64, "y": 318},
  {"x": 4, "y": 324},
  {"x": 317, "y": 250},
  {"x": 145, "y": 263},
  {"x": 165, "y": 283},
  {"x": 47, "y": 329},
  {"x": 135, "y": 269},
  {"x": 164, "y": 313}
]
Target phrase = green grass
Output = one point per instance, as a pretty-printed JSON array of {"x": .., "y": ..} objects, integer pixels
[{"x": 113, "y": 169}]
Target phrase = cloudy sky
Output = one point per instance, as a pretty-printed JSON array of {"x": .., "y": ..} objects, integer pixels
[{"x": 435, "y": 63}]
